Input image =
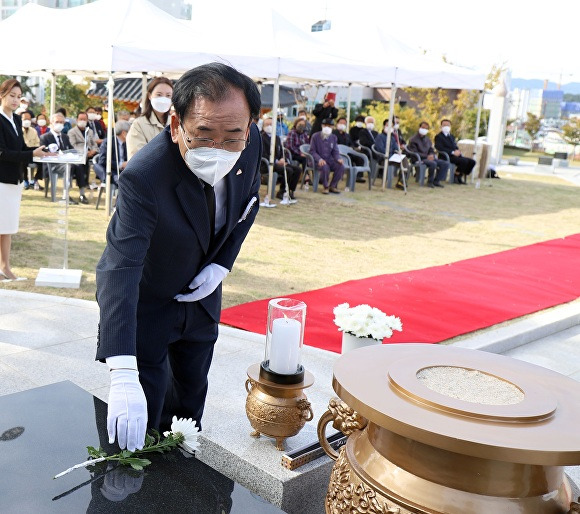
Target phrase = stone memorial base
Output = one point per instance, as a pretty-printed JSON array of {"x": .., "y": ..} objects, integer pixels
[
  {"x": 226, "y": 444},
  {"x": 46, "y": 430}
]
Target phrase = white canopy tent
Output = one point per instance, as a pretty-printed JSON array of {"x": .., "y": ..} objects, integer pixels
[{"x": 260, "y": 43}]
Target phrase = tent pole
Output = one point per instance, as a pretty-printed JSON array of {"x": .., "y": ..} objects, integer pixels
[
  {"x": 275, "y": 99},
  {"x": 478, "y": 120},
  {"x": 111, "y": 117},
  {"x": 143, "y": 91},
  {"x": 348, "y": 106},
  {"x": 390, "y": 125},
  {"x": 52, "y": 93}
]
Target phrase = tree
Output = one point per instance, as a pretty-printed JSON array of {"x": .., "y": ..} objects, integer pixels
[
  {"x": 68, "y": 95},
  {"x": 571, "y": 133},
  {"x": 532, "y": 126}
]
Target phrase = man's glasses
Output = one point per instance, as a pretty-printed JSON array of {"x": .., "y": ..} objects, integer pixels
[{"x": 229, "y": 145}]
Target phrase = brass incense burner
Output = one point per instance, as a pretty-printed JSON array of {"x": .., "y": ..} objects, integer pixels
[
  {"x": 414, "y": 447},
  {"x": 274, "y": 409}
]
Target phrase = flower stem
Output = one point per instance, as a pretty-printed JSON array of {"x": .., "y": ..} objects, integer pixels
[{"x": 81, "y": 465}]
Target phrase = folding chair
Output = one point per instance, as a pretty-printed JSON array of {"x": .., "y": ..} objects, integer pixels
[
  {"x": 346, "y": 152},
  {"x": 310, "y": 167}
]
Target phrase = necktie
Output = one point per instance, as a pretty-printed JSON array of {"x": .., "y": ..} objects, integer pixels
[
  {"x": 210, "y": 200},
  {"x": 59, "y": 141}
]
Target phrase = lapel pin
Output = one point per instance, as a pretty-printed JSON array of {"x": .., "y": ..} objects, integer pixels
[{"x": 239, "y": 172}]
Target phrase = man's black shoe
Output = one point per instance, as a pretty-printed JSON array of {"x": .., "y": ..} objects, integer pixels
[
  {"x": 430, "y": 184},
  {"x": 72, "y": 201},
  {"x": 399, "y": 185},
  {"x": 83, "y": 199},
  {"x": 438, "y": 184},
  {"x": 280, "y": 195}
]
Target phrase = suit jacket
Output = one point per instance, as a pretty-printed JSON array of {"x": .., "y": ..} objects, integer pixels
[
  {"x": 98, "y": 129},
  {"x": 50, "y": 137},
  {"x": 367, "y": 138},
  {"x": 158, "y": 240},
  {"x": 102, "y": 159},
  {"x": 445, "y": 143},
  {"x": 14, "y": 153},
  {"x": 421, "y": 145},
  {"x": 77, "y": 139}
]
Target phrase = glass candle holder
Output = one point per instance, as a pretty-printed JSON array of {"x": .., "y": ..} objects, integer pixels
[{"x": 284, "y": 337}]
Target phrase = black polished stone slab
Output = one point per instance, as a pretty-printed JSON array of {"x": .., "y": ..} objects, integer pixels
[{"x": 46, "y": 430}]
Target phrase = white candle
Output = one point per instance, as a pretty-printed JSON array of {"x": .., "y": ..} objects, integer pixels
[{"x": 285, "y": 346}]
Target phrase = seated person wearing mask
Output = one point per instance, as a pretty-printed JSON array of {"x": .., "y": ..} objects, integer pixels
[
  {"x": 445, "y": 142},
  {"x": 296, "y": 137},
  {"x": 367, "y": 135},
  {"x": 118, "y": 154},
  {"x": 61, "y": 140},
  {"x": 303, "y": 115},
  {"x": 31, "y": 140},
  {"x": 359, "y": 124},
  {"x": 381, "y": 146},
  {"x": 421, "y": 144},
  {"x": 324, "y": 150},
  {"x": 98, "y": 132},
  {"x": 81, "y": 137},
  {"x": 343, "y": 138},
  {"x": 292, "y": 172}
]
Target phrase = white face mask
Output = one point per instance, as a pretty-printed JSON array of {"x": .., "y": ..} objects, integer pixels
[
  {"x": 92, "y": 116},
  {"x": 26, "y": 123},
  {"x": 131, "y": 120},
  {"x": 209, "y": 164},
  {"x": 370, "y": 126},
  {"x": 98, "y": 117},
  {"x": 41, "y": 123},
  {"x": 446, "y": 129},
  {"x": 396, "y": 126},
  {"x": 423, "y": 131},
  {"x": 386, "y": 129},
  {"x": 360, "y": 124},
  {"x": 326, "y": 131},
  {"x": 341, "y": 126},
  {"x": 57, "y": 127},
  {"x": 161, "y": 103},
  {"x": 81, "y": 123},
  {"x": 268, "y": 129}
]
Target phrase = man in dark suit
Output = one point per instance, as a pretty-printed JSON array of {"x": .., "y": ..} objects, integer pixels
[
  {"x": 367, "y": 135},
  {"x": 57, "y": 137},
  {"x": 186, "y": 203},
  {"x": 445, "y": 142},
  {"x": 280, "y": 162},
  {"x": 118, "y": 153}
]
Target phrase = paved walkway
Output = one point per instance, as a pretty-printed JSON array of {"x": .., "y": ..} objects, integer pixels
[{"x": 46, "y": 339}]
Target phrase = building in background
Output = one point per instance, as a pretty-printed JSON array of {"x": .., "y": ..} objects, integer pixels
[
  {"x": 178, "y": 8},
  {"x": 570, "y": 109}
]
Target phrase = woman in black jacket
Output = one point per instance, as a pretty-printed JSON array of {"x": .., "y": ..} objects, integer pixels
[{"x": 13, "y": 155}]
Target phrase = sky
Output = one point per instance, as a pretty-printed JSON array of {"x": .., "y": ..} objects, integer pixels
[{"x": 533, "y": 39}]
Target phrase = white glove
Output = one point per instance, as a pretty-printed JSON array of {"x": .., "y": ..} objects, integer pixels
[
  {"x": 205, "y": 283},
  {"x": 127, "y": 411}
]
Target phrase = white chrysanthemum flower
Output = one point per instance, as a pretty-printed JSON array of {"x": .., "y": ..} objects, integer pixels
[
  {"x": 187, "y": 428},
  {"x": 365, "y": 321}
]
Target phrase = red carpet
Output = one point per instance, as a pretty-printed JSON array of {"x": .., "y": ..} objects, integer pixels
[{"x": 438, "y": 303}]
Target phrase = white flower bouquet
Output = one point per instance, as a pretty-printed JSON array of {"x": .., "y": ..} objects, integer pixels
[{"x": 365, "y": 321}]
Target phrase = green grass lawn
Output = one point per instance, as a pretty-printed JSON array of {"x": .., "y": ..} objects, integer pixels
[{"x": 327, "y": 239}]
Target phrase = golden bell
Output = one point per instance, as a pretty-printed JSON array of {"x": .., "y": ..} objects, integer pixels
[{"x": 414, "y": 447}]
